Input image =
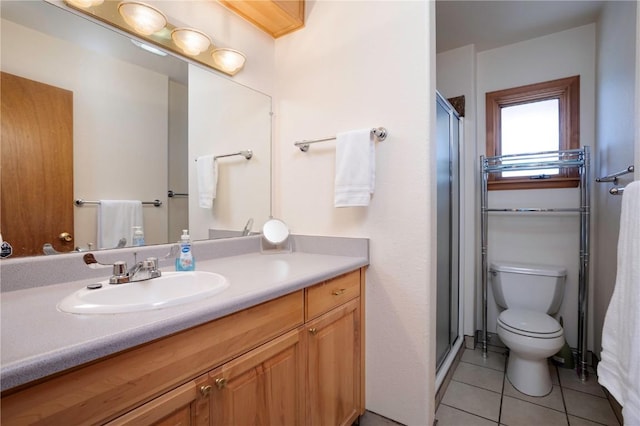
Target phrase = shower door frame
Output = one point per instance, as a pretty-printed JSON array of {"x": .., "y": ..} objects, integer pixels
[{"x": 455, "y": 238}]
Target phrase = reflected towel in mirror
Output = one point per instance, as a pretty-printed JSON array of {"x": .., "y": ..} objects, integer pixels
[
  {"x": 116, "y": 219},
  {"x": 207, "y": 168}
]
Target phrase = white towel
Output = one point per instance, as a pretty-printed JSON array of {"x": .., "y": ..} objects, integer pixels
[
  {"x": 116, "y": 219},
  {"x": 619, "y": 369},
  {"x": 207, "y": 180},
  {"x": 355, "y": 168}
]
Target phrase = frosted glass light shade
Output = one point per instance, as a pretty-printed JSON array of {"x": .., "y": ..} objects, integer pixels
[
  {"x": 84, "y": 3},
  {"x": 229, "y": 60},
  {"x": 144, "y": 19},
  {"x": 192, "y": 42}
]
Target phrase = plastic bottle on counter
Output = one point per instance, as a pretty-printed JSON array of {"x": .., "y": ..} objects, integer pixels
[
  {"x": 138, "y": 236},
  {"x": 185, "y": 260}
]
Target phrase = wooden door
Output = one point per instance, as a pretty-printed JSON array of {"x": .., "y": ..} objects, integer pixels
[
  {"x": 333, "y": 369},
  {"x": 187, "y": 405},
  {"x": 262, "y": 387},
  {"x": 36, "y": 165}
]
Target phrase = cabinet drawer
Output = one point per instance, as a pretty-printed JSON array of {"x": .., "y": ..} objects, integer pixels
[{"x": 325, "y": 296}]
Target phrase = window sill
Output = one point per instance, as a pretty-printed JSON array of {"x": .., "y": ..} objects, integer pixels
[{"x": 511, "y": 184}]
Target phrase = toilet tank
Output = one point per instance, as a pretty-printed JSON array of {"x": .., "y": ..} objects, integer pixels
[{"x": 526, "y": 286}]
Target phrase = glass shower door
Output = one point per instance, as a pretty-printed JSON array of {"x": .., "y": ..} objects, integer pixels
[{"x": 448, "y": 224}]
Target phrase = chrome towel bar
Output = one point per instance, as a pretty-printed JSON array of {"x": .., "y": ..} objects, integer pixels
[
  {"x": 616, "y": 191},
  {"x": 380, "y": 133},
  {"x": 247, "y": 153},
  {"x": 613, "y": 177},
  {"x": 80, "y": 202}
]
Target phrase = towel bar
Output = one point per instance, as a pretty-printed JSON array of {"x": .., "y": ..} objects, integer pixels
[
  {"x": 613, "y": 177},
  {"x": 380, "y": 133},
  {"x": 80, "y": 202},
  {"x": 172, "y": 194},
  {"x": 247, "y": 153}
]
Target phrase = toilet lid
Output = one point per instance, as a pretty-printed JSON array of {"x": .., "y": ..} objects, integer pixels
[{"x": 523, "y": 321}]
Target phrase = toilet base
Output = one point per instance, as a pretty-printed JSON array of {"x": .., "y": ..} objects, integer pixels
[{"x": 528, "y": 376}]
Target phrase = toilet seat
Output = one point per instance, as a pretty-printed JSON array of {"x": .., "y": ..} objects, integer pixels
[{"x": 530, "y": 324}]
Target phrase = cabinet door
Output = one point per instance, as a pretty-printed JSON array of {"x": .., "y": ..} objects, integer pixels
[
  {"x": 187, "y": 405},
  {"x": 333, "y": 369},
  {"x": 263, "y": 387}
]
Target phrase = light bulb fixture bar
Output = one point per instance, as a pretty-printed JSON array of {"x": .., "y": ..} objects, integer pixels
[{"x": 149, "y": 25}]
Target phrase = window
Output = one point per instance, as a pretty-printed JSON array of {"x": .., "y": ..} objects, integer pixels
[{"x": 534, "y": 118}]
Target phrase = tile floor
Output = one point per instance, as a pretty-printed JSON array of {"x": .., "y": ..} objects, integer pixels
[{"x": 480, "y": 394}]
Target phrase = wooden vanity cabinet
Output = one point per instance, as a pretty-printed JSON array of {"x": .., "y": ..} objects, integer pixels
[
  {"x": 294, "y": 360},
  {"x": 262, "y": 387},
  {"x": 335, "y": 364},
  {"x": 187, "y": 405}
]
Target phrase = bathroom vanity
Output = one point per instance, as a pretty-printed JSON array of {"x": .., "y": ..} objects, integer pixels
[{"x": 283, "y": 344}]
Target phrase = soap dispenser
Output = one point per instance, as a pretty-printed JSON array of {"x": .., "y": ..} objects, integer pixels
[
  {"x": 138, "y": 236},
  {"x": 185, "y": 260}
]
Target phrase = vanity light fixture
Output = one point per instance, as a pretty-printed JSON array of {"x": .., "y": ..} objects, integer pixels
[
  {"x": 230, "y": 60},
  {"x": 152, "y": 29},
  {"x": 85, "y": 3},
  {"x": 192, "y": 42},
  {"x": 144, "y": 19}
]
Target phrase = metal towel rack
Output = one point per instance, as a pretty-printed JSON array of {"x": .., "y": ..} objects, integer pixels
[
  {"x": 380, "y": 133},
  {"x": 576, "y": 159},
  {"x": 172, "y": 194},
  {"x": 80, "y": 202},
  {"x": 246, "y": 153},
  {"x": 613, "y": 177}
]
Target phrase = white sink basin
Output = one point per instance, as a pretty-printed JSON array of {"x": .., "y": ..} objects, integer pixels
[{"x": 171, "y": 289}]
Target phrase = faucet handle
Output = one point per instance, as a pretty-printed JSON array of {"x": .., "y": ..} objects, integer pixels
[
  {"x": 151, "y": 263},
  {"x": 91, "y": 262},
  {"x": 120, "y": 273}
]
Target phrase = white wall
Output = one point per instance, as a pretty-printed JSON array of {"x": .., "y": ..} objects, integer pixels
[
  {"x": 358, "y": 65},
  {"x": 456, "y": 76},
  {"x": 616, "y": 124},
  {"x": 120, "y": 130},
  {"x": 550, "y": 238}
]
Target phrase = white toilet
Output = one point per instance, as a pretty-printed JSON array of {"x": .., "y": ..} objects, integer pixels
[{"x": 529, "y": 294}]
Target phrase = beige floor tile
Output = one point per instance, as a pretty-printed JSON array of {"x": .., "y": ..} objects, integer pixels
[
  {"x": 473, "y": 400},
  {"x": 569, "y": 379},
  {"x": 577, "y": 421},
  {"x": 553, "y": 400},
  {"x": 486, "y": 378},
  {"x": 493, "y": 360},
  {"x": 449, "y": 416},
  {"x": 516, "y": 412},
  {"x": 588, "y": 406}
]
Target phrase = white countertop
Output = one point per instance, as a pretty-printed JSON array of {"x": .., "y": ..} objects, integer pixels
[{"x": 39, "y": 340}]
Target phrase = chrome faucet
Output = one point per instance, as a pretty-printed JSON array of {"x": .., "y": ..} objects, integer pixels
[
  {"x": 141, "y": 271},
  {"x": 144, "y": 270}
]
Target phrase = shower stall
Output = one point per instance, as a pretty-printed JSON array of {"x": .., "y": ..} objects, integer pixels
[{"x": 448, "y": 308}]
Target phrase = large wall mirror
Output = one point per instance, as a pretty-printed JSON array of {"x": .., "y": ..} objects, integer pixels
[{"x": 139, "y": 121}]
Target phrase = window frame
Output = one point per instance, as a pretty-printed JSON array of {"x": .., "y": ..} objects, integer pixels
[{"x": 567, "y": 91}]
